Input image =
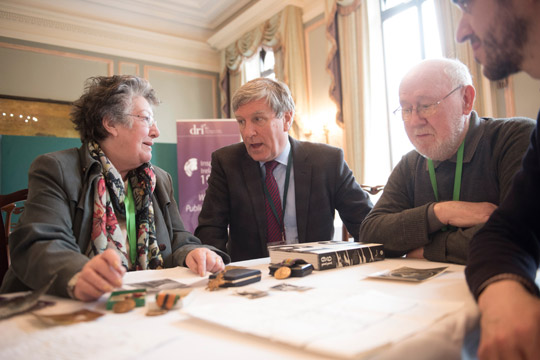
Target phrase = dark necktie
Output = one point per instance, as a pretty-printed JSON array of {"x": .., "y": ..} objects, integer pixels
[{"x": 274, "y": 227}]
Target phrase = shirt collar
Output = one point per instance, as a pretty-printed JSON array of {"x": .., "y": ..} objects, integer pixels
[{"x": 475, "y": 134}]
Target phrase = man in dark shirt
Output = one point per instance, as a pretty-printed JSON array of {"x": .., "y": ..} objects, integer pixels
[
  {"x": 505, "y": 255},
  {"x": 440, "y": 194}
]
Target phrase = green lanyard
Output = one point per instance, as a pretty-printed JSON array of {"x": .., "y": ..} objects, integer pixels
[
  {"x": 285, "y": 191},
  {"x": 457, "y": 176},
  {"x": 129, "y": 203}
]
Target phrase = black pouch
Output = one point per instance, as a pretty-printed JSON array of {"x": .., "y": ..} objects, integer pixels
[{"x": 239, "y": 277}]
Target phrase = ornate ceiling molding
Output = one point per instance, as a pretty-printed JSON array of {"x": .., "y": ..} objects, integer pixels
[
  {"x": 25, "y": 23},
  {"x": 256, "y": 15}
]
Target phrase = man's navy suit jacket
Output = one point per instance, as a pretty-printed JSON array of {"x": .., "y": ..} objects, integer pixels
[{"x": 233, "y": 216}]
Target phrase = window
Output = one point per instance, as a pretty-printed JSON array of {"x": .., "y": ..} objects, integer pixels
[
  {"x": 260, "y": 65},
  {"x": 410, "y": 34},
  {"x": 266, "y": 63}
]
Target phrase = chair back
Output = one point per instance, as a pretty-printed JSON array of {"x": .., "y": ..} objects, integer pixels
[
  {"x": 9, "y": 206},
  {"x": 372, "y": 190}
]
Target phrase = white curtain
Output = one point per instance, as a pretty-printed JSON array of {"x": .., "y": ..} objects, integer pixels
[
  {"x": 284, "y": 34},
  {"x": 358, "y": 49},
  {"x": 448, "y": 18},
  {"x": 233, "y": 56}
]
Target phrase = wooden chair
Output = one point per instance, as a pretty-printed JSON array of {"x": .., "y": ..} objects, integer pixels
[
  {"x": 8, "y": 204},
  {"x": 373, "y": 190}
]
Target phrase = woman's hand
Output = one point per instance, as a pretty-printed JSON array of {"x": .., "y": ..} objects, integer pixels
[
  {"x": 202, "y": 260},
  {"x": 101, "y": 274}
]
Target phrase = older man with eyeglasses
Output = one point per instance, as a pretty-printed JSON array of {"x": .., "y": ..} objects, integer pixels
[{"x": 440, "y": 194}]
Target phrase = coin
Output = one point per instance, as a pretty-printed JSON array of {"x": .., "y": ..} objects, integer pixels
[
  {"x": 282, "y": 273},
  {"x": 124, "y": 306},
  {"x": 156, "y": 312}
]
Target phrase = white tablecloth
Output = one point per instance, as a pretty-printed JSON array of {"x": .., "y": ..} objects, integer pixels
[{"x": 122, "y": 336}]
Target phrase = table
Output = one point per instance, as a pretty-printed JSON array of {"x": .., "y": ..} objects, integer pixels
[{"x": 119, "y": 336}]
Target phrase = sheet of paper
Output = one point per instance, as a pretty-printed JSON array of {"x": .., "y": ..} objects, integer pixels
[
  {"x": 179, "y": 273},
  {"x": 333, "y": 323},
  {"x": 85, "y": 341},
  {"x": 406, "y": 273},
  {"x": 154, "y": 286}
]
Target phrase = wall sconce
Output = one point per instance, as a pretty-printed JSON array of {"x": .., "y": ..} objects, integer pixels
[
  {"x": 326, "y": 131},
  {"x": 319, "y": 125}
]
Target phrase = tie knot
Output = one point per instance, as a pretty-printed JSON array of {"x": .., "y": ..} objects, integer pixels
[{"x": 270, "y": 166}]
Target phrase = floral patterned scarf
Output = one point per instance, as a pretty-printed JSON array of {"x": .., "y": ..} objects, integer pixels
[{"x": 109, "y": 195}]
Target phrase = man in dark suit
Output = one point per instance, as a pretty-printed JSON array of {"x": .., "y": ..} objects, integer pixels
[{"x": 239, "y": 213}]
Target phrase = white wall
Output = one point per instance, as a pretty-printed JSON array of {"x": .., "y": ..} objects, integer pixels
[{"x": 526, "y": 95}]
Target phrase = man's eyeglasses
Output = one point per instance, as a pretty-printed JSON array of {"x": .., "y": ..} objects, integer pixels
[
  {"x": 422, "y": 110},
  {"x": 148, "y": 119}
]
